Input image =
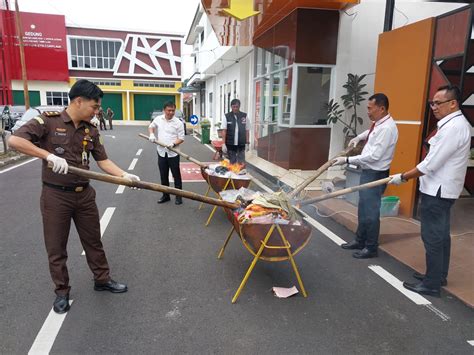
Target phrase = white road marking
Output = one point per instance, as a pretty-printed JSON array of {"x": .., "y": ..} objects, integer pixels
[
  {"x": 109, "y": 135},
  {"x": 392, "y": 280},
  {"x": 120, "y": 189},
  {"x": 207, "y": 145},
  {"x": 132, "y": 165},
  {"x": 47, "y": 335},
  {"x": 139, "y": 151},
  {"x": 18, "y": 165},
  {"x": 470, "y": 342},
  {"x": 331, "y": 235},
  {"x": 436, "y": 311},
  {"x": 104, "y": 221}
]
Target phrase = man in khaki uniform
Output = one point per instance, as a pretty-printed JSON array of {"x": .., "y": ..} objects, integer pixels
[{"x": 63, "y": 139}]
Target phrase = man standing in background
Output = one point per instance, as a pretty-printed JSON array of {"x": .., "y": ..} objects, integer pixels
[
  {"x": 110, "y": 116},
  {"x": 169, "y": 130},
  {"x": 235, "y": 133}
]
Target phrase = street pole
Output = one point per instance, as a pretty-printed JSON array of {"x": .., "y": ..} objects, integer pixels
[{"x": 22, "y": 55}]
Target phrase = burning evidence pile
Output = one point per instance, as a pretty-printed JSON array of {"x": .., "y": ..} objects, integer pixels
[
  {"x": 261, "y": 208},
  {"x": 226, "y": 170}
]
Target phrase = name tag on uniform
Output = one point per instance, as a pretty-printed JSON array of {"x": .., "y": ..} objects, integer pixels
[
  {"x": 61, "y": 134},
  {"x": 59, "y": 150}
]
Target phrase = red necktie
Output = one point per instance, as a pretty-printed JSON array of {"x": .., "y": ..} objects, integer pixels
[{"x": 372, "y": 126}]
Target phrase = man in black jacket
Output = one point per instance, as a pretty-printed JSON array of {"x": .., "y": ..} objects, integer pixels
[{"x": 235, "y": 133}]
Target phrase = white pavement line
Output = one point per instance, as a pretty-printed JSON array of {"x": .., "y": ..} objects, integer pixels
[
  {"x": 470, "y": 342},
  {"x": 207, "y": 145},
  {"x": 17, "y": 166},
  {"x": 120, "y": 189},
  {"x": 47, "y": 335},
  {"x": 436, "y": 311},
  {"x": 104, "y": 221},
  {"x": 139, "y": 152},
  {"x": 331, "y": 235},
  {"x": 132, "y": 165},
  {"x": 392, "y": 280},
  {"x": 261, "y": 185}
]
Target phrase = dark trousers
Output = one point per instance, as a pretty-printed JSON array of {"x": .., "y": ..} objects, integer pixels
[
  {"x": 435, "y": 233},
  {"x": 165, "y": 164},
  {"x": 102, "y": 124},
  {"x": 110, "y": 124},
  {"x": 236, "y": 153},
  {"x": 369, "y": 209},
  {"x": 58, "y": 208}
]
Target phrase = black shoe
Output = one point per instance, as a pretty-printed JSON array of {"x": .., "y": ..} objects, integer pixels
[
  {"x": 352, "y": 245},
  {"x": 421, "y": 277},
  {"x": 111, "y": 286},
  {"x": 61, "y": 304},
  {"x": 164, "y": 198},
  {"x": 179, "y": 200},
  {"x": 365, "y": 254},
  {"x": 421, "y": 289}
]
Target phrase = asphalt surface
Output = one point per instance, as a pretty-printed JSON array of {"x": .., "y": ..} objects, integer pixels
[{"x": 179, "y": 298}]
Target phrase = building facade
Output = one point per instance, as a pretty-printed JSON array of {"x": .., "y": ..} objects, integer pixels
[{"x": 137, "y": 71}]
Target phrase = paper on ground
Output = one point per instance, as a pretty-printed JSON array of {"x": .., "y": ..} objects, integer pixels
[{"x": 283, "y": 292}]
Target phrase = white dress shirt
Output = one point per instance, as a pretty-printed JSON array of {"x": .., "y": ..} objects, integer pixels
[
  {"x": 379, "y": 150},
  {"x": 446, "y": 163},
  {"x": 168, "y": 131}
]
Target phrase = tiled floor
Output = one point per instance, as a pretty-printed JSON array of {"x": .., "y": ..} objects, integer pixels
[{"x": 399, "y": 236}]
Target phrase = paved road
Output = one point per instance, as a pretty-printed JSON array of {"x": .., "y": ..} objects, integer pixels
[{"x": 180, "y": 295}]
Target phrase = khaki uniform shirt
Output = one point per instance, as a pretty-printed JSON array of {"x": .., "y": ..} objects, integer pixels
[{"x": 55, "y": 132}]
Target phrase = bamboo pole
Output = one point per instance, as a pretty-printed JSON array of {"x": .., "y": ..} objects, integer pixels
[
  {"x": 177, "y": 151},
  {"x": 150, "y": 186},
  {"x": 318, "y": 172},
  {"x": 346, "y": 191},
  {"x": 22, "y": 55}
]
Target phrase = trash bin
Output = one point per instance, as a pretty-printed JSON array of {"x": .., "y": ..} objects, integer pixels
[
  {"x": 352, "y": 179},
  {"x": 205, "y": 134},
  {"x": 389, "y": 206}
]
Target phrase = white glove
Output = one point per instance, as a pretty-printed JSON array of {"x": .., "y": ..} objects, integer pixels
[
  {"x": 354, "y": 141},
  {"x": 339, "y": 161},
  {"x": 397, "y": 180},
  {"x": 59, "y": 164},
  {"x": 224, "y": 149},
  {"x": 152, "y": 138},
  {"x": 171, "y": 146},
  {"x": 95, "y": 122},
  {"x": 132, "y": 178}
]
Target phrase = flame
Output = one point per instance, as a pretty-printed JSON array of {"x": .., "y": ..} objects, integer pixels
[{"x": 235, "y": 168}]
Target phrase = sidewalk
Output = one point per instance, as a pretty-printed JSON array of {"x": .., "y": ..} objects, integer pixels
[{"x": 399, "y": 236}]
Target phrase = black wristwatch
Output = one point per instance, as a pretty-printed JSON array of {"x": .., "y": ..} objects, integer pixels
[
  {"x": 403, "y": 178},
  {"x": 347, "y": 160},
  {"x": 174, "y": 145}
]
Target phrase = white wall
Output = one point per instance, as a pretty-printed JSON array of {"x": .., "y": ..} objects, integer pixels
[
  {"x": 359, "y": 29},
  {"x": 42, "y": 87}
]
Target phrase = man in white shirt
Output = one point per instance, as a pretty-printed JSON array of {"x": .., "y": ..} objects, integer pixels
[
  {"x": 442, "y": 175},
  {"x": 170, "y": 132},
  {"x": 375, "y": 161}
]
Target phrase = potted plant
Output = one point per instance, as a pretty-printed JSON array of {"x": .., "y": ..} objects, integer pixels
[
  {"x": 219, "y": 129},
  {"x": 351, "y": 100}
]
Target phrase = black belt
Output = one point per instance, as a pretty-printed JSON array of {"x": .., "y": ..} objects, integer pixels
[{"x": 78, "y": 188}]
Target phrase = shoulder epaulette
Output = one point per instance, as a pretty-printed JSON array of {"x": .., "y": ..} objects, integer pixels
[
  {"x": 39, "y": 119},
  {"x": 51, "y": 113}
]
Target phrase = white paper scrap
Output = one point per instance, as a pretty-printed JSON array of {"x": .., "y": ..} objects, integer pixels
[{"x": 283, "y": 292}]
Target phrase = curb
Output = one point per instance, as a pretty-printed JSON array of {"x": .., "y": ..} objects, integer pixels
[{"x": 13, "y": 160}]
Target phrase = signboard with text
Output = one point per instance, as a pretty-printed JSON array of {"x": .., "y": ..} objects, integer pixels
[{"x": 44, "y": 39}]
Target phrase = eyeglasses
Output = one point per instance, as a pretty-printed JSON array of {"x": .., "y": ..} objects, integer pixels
[{"x": 438, "y": 103}]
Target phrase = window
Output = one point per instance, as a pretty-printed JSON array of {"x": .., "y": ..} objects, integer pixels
[
  {"x": 54, "y": 98},
  {"x": 211, "y": 106},
  {"x": 275, "y": 78},
  {"x": 93, "y": 54},
  {"x": 153, "y": 84},
  {"x": 105, "y": 82}
]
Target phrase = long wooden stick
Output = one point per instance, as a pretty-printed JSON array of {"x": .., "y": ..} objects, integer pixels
[
  {"x": 346, "y": 191},
  {"x": 318, "y": 172},
  {"x": 177, "y": 151},
  {"x": 150, "y": 186}
]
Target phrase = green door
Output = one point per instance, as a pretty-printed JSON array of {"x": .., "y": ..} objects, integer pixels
[
  {"x": 114, "y": 101},
  {"x": 145, "y": 104},
  {"x": 19, "y": 98}
]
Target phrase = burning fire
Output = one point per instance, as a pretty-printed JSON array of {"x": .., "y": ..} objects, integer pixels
[{"x": 235, "y": 168}]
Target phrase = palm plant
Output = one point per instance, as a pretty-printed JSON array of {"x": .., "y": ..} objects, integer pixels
[{"x": 353, "y": 97}]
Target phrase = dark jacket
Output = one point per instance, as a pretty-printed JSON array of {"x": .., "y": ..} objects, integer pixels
[{"x": 231, "y": 122}]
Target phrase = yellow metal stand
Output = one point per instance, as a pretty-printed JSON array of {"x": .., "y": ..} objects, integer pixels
[
  {"x": 264, "y": 245},
  {"x": 221, "y": 252},
  {"x": 226, "y": 185}
]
